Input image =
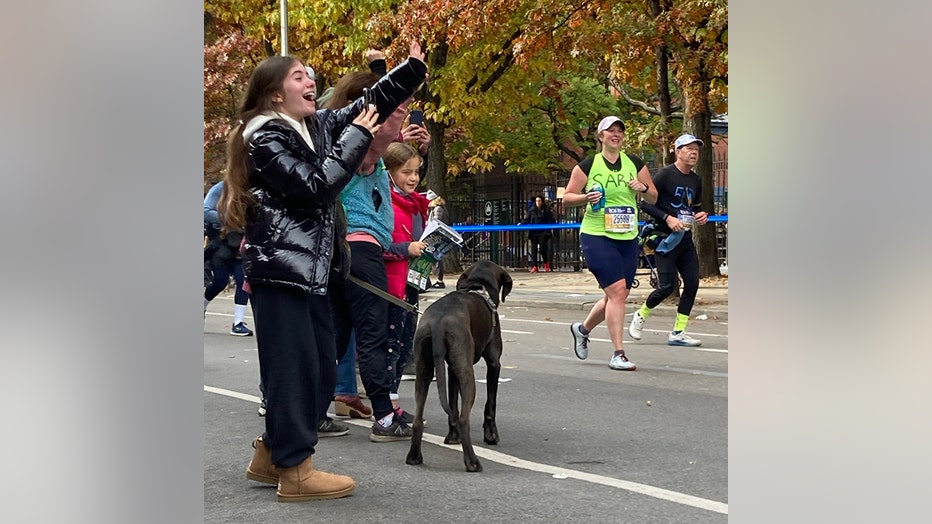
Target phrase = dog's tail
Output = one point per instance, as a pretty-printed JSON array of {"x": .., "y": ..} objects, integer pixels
[{"x": 440, "y": 368}]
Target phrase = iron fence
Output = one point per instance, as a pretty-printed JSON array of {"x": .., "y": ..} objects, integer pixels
[{"x": 499, "y": 201}]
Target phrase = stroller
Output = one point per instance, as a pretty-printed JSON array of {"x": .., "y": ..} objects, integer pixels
[{"x": 648, "y": 239}]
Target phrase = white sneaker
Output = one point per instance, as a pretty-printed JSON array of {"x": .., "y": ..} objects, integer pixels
[
  {"x": 682, "y": 339},
  {"x": 621, "y": 363},
  {"x": 637, "y": 323},
  {"x": 580, "y": 341}
]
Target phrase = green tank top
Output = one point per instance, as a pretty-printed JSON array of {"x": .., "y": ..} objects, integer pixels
[{"x": 618, "y": 219}]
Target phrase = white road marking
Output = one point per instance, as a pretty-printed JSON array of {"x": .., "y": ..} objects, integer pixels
[
  {"x": 227, "y": 315},
  {"x": 508, "y": 460},
  {"x": 234, "y": 394}
]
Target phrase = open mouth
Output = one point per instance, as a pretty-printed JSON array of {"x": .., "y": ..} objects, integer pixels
[{"x": 308, "y": 96}]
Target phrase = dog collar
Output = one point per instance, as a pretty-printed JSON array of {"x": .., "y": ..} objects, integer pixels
[
  {"x": 484, "y": 294},
  {"x": 489, "y": 302}
]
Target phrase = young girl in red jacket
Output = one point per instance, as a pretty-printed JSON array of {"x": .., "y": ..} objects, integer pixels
[{"x": 403, "y": 164}]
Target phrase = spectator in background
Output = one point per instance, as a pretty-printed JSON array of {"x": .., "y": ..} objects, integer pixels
[
  {"x": 539, "y": 213},
  {"x": 224, "y": 258}
]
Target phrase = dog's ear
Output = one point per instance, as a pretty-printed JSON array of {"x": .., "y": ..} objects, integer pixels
[
  {"x": 505, "y": 283},
  {"x": 461, "y": 281}
]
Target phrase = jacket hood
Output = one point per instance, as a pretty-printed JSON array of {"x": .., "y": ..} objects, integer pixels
[{"x": 256, "y": 123}]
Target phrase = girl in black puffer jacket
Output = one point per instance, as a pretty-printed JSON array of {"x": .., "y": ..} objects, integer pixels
[{"x": 287, "y": 163}]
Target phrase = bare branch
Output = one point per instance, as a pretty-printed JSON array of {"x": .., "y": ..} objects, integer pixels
[
  {"x": 506, "y": 50},
  {"x": 676, "y": 111},
  {"x": 507, "y": 53}
]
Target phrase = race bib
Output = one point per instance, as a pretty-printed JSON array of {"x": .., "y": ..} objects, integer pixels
[
  {"x": 687, "y": 217},
  {"x": 620, "y": 219}
]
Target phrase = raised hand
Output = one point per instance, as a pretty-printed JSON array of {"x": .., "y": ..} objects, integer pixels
[
  {"x": 374, "y": 54},
  {"x": 415, "y": 51},
  {"x": 367, "y": 117}
]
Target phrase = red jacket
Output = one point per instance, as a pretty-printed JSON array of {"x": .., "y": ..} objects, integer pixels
[{"x": 396, "y": 266}]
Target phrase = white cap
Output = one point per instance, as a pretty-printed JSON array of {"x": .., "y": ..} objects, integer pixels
[
  {"x": 607, "y": 123},
  {"x": 685, "y": 140}
]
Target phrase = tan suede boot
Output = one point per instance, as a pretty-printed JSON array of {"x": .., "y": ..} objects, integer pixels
[
  {"x": 303, "y": 482},
  {"x": 260, "y": 467}
]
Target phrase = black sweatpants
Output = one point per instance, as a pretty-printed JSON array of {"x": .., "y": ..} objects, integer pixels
[
  {"x": 540, "y": 249},
  {"x": 297, "y": 361},
  {"x": 683, "y": 260},
  {"x": 356, "y": 308}
]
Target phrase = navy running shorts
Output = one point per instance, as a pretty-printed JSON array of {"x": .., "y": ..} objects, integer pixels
[{"x": 610, "y": 260}]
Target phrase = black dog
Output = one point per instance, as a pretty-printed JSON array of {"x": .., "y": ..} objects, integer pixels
[{"x": 460, "y": 328}]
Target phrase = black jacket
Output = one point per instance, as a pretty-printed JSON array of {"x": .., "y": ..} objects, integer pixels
[
  {"x": 222, "y": 250},
  {"x": 294, "y": 231},
  {"x": 539, "y": 215}
]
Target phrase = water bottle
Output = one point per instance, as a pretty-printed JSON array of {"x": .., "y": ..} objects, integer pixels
[{"x": 601, "y": 203}]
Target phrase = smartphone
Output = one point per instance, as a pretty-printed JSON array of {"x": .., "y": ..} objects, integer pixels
[
  {"x": 417, "y": 117},
  {"x": 368, "y": 96}
]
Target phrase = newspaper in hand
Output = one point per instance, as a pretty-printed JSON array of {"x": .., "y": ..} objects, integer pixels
[{"x": 440, "y": 239}]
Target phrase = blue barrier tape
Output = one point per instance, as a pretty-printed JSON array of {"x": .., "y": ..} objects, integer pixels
[{"x": 532, "y": 227}]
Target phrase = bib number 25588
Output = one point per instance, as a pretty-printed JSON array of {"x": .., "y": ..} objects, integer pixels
[{"x": 620, "y": 219}]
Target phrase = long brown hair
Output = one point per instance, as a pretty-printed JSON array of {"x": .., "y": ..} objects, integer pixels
[{"x": 266, "y": 80}]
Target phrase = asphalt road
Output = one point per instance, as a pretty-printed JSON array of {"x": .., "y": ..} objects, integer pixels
[{"x": 579, "y": 442}]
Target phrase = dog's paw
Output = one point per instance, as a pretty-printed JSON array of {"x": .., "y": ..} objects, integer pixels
[{"x": 489, "y": 434}]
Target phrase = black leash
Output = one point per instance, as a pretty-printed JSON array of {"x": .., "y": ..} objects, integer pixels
[{"x": 376, "y": 291}]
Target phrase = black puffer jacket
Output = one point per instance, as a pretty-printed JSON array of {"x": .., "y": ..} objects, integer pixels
[{"x": 294, "y": 234}]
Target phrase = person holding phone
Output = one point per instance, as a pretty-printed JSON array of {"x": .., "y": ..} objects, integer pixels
[
  {"x": 416, "y": 134},
  {"x": 287, "y": 162},
  {"x": 416, "y": 117},
  {"x": 677, "y": 212},
  {"x": 367, "y": 203}
]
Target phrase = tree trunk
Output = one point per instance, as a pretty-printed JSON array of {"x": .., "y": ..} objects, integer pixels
[
  {"x": 663, "y": 92},
  {"x": 435, "y": 176},
  {"x": 699, "y": 124}
]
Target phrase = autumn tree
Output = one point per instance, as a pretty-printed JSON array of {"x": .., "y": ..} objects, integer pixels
[
  {"x": 518, "y": 81},
  {"x": 228, "y": 59},
  {"x": 700, "y": 52},
  {"x": 670, "y": 60},
  {"x": 688, "y": 41}
]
